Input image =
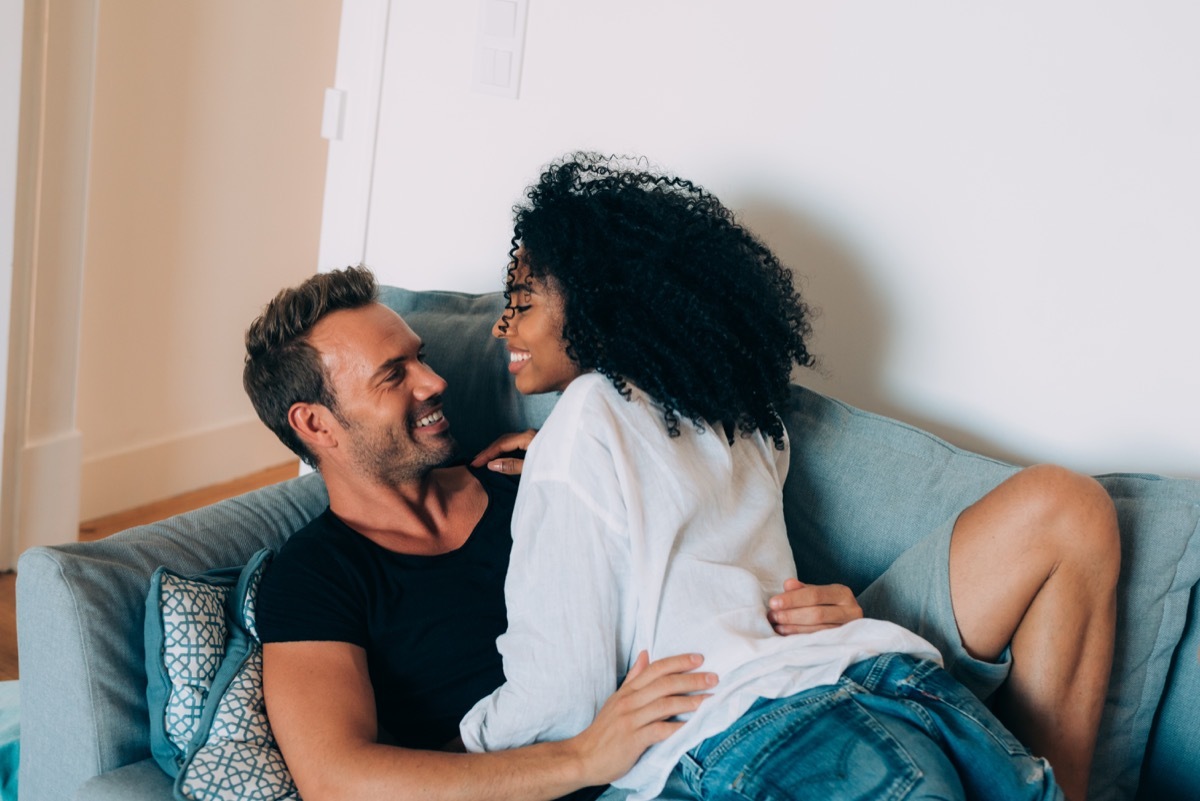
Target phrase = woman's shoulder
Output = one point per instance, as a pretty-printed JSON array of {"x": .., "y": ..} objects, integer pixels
[
  {"x": 588, "y": 415},
  {"x": 588, "y": 384}
]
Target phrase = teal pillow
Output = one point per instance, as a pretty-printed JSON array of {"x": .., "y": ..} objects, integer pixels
[
  {"x": 186, "y": 632},
  {"x": 209, "y": 724},
  {"x": 234, "y": 754}
]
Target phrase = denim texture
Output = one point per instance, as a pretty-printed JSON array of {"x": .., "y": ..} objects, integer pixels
[{"x": 892, "y": 728}]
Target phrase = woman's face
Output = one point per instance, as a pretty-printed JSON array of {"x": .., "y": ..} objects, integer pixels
[{"x": 532, "y": 326}]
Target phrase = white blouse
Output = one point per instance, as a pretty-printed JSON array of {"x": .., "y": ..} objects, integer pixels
[{"x": 626, "y": 539}]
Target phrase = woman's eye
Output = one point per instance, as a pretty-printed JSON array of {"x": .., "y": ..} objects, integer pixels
[{"x": 522, "y": 309}]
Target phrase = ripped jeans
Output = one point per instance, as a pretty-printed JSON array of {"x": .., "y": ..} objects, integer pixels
[{"x": 892, "y": 728}]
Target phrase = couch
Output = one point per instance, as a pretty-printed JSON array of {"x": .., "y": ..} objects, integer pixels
[{"x": 861, "y": 490}]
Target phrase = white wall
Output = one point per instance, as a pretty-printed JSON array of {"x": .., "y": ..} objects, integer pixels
[
  {"x": 206, "y": 178},
  {"x": 996, "y": 207}
]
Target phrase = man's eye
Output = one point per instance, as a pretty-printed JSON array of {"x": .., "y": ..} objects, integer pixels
[{"x": 522, "y": 309}]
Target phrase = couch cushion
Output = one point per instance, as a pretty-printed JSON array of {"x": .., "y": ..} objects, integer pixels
[
  {"x": 1172, "y": 770},
  {"x": 138, "y": 781},
  {"x": 1160, "y": 554}
]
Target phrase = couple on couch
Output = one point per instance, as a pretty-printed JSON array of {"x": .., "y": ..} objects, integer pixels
[{"x": 648, "y": 521}]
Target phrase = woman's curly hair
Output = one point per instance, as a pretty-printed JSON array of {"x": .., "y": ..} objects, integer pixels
[{"x": 662, "y": 288}]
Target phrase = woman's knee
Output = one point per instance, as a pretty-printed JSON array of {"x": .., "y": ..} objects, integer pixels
[{"x": 1074, "y": 515}]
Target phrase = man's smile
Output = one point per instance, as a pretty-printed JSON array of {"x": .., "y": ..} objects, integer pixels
[{"x": 435, "y": 418}]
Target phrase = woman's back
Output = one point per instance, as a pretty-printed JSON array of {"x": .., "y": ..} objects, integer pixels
[{"x": 626, "y": 538}]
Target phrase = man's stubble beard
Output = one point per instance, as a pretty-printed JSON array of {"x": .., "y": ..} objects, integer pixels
[{"x": 392, "y": 461}]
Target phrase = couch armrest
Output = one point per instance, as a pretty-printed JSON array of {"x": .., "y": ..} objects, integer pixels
[{"x": 80, "y": 617}]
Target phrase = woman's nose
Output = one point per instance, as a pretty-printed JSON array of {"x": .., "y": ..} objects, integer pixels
[{"x": 503, "y": 324}]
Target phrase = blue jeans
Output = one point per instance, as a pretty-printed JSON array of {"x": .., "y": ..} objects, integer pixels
[{"x": 893, "y": 727}]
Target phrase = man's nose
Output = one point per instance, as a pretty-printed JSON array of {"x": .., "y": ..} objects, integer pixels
[{"x": 430, "y": 383}]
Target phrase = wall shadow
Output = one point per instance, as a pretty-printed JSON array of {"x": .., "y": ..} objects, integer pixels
[{"x": 854, "y": 320}]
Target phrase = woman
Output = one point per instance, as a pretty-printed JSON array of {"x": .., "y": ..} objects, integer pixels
[{"x": 650, "y": 517}]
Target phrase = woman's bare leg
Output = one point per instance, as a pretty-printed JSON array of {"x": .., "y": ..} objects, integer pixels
[{"x": 1034, "y": 565}]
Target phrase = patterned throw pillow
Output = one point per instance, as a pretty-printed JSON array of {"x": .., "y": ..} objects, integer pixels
[
  {"x": 237, "y": 757},
  {"x": 206, "y": 687},
  {"x": 194, "y": 635},
  {"x": 186, "y": 632}
]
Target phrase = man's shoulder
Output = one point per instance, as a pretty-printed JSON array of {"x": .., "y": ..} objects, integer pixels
[
  {"x": 493, "y": 482},
  {"x": 315, "y": 588},
  {"x": 320, "y": 533},
  {"x": 321, "y": 547}
]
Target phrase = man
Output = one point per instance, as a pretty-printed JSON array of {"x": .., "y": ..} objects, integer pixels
[
  {"x": 386, "y": 608},
  {"x": 383, "y": 612}
]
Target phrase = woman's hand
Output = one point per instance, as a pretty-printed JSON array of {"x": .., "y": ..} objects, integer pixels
[
  {"x": 639, "y": 714},
  {"x": 507, "y": 444},
  {"x": 802, "y": 608}
]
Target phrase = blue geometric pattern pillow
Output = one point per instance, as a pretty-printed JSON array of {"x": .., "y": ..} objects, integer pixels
[
  {"x": 186, "y": 632},
  {"x": 204, "y": 662},
  {"x": 235, "y": 755}
]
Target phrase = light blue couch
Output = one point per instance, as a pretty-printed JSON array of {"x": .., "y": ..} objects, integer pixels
[{"x": 862, "y": 489}]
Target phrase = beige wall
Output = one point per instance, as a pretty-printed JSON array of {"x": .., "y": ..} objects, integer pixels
[{"x": 206, "y": 178}]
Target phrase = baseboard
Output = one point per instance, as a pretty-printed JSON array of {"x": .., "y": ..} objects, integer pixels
[
  {"x": 136, "y": 476},
  {"x": 48, "y": 490}
]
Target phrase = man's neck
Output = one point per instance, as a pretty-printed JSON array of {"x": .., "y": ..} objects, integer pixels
[{"x": 430, "y": 515}]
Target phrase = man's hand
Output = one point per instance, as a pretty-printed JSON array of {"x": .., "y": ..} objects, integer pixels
[
  {"x": 507, "y": 444},
  {"x": 638, "y": 715},
  {"x": 803, "y": 608}
]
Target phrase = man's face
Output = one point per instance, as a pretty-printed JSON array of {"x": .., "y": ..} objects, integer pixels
[{"x": 389, "y": 401}]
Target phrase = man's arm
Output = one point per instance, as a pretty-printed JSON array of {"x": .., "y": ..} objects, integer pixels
[{"x": 322, "y": 711}]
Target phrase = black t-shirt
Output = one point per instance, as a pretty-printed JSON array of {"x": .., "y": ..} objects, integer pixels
[{"x": 428, "y": 623}]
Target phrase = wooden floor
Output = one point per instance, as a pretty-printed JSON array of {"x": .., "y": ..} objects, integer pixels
[{"x": 103, "y": 526}]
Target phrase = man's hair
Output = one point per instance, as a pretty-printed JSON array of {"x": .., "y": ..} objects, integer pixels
[
  {"x": 663, "y": 289},
  {"x": 282, "y": 368}
]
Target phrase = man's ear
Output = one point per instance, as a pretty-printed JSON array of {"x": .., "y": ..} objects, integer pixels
[{"x": 315, "y": 426}]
